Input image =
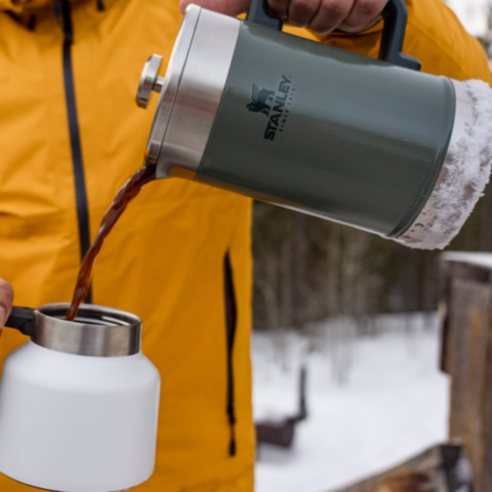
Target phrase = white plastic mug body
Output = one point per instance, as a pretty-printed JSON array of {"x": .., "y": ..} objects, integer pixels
[{"x": 75, "y": 423}]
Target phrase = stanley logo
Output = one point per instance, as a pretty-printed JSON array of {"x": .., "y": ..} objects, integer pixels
[
  {"x": 259, "y": 100},
  {"x": 273, "y": 104}
]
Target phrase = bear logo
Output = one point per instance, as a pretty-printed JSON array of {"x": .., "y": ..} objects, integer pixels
[{"x": 259, "y": 100}]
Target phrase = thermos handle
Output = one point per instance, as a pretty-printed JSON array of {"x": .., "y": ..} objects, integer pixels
[
  {"x": 395, "y": 16},
  {"x": 258, "y": 13},
  {"x": 22, "y": 319}
]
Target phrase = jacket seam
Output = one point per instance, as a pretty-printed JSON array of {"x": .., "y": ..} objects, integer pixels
[{"x": 231, "y": 322}]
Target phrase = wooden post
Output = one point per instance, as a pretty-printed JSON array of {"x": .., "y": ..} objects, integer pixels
[{"x": 466, "y": 311}]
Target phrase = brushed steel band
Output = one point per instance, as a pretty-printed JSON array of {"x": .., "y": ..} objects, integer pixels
[
  {"x": 97, "y": 331},
  {"x": 463, "y": 118},
  {"x": 191, "y": 91}
]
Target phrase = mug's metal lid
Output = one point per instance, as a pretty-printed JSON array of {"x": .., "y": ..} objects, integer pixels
[
  {"x": 190, "y": 92},
  {"x": 97, "y": 331}
]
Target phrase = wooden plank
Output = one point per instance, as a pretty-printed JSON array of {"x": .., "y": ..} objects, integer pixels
[
  {"x": 438, "y": 469},
  {"x": 468, "y": 363},
  {"x": 449, "y": 272},
  {"x": 466, "y": 306}
]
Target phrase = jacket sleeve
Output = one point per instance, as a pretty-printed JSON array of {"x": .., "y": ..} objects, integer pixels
[{"x": 434, "y": 35}]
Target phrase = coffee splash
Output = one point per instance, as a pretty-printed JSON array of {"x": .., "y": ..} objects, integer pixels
[{"x": 124, "y": 196}]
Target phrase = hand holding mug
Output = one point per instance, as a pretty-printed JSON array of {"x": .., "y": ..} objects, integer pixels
[
  {"x": 322, "y": 16},
  {"x": 6, "y": 300}
]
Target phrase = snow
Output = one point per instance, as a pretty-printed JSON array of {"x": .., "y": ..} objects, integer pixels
[
  {"x": 465, "y": 174},
  {"x": 472, "y": 14},
  {"x": 393, "y": 404}
]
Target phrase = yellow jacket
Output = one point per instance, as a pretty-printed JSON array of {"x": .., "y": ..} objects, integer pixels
[{"x": 70, "y": 135}]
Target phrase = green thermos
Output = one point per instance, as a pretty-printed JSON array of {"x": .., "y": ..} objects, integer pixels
[{"x": 374, "y": 144}]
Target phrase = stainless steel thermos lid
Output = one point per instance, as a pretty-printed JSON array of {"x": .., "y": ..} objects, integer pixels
[{"x": 190, "y": 92}]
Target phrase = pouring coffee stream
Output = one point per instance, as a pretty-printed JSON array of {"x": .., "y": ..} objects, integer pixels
[{"x": 124, "y": 196}]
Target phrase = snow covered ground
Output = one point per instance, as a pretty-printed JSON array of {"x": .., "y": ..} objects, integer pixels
[{"x": 393, "y": 403}]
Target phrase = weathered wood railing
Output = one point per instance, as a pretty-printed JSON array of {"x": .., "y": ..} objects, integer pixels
[{"x": 466, "y": 309}]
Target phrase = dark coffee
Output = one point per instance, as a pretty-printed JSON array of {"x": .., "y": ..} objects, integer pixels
[{"x": 124, "y": 196}]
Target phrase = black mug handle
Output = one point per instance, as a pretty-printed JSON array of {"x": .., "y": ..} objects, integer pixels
[
  {"x": 395, "y": 16},
  {"x": 259, "y": 13},
  {"x": 22, "y": 319}
]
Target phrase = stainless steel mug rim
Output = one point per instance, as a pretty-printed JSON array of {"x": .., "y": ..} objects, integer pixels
[{"x": 97, "y": 331}]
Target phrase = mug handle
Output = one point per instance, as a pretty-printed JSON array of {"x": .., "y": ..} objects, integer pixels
[
  {"x": 395, "y": 16},
  {"x": 259, "y": 13},
  {"x": 22, "y": 319}
]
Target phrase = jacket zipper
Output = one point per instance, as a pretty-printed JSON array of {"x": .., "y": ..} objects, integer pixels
[
  {"x": 231, "y": 320},
  {"x": 62, "y": 10}
]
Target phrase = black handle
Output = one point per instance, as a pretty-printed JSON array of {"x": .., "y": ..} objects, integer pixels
[
  {"x": 395, "y": 16},
  {"x": 259, "y": 14},
  {"x": 22, "y": 319}
]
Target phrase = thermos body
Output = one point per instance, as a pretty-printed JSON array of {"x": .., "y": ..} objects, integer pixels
[
  {"x": 79, "y": 403},
  {"x": 304, "y": 125},
  {"x": 298, "y": 121}
]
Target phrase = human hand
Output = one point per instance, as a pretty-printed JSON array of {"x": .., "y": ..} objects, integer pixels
[
  {"x": 6, "y": 300},
  {"x": 322, "y": 16}
]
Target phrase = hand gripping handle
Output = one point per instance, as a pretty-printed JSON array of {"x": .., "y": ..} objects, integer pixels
[
  {"x": 395, "y": 16},
  {"x": 22, "y": 319}
]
